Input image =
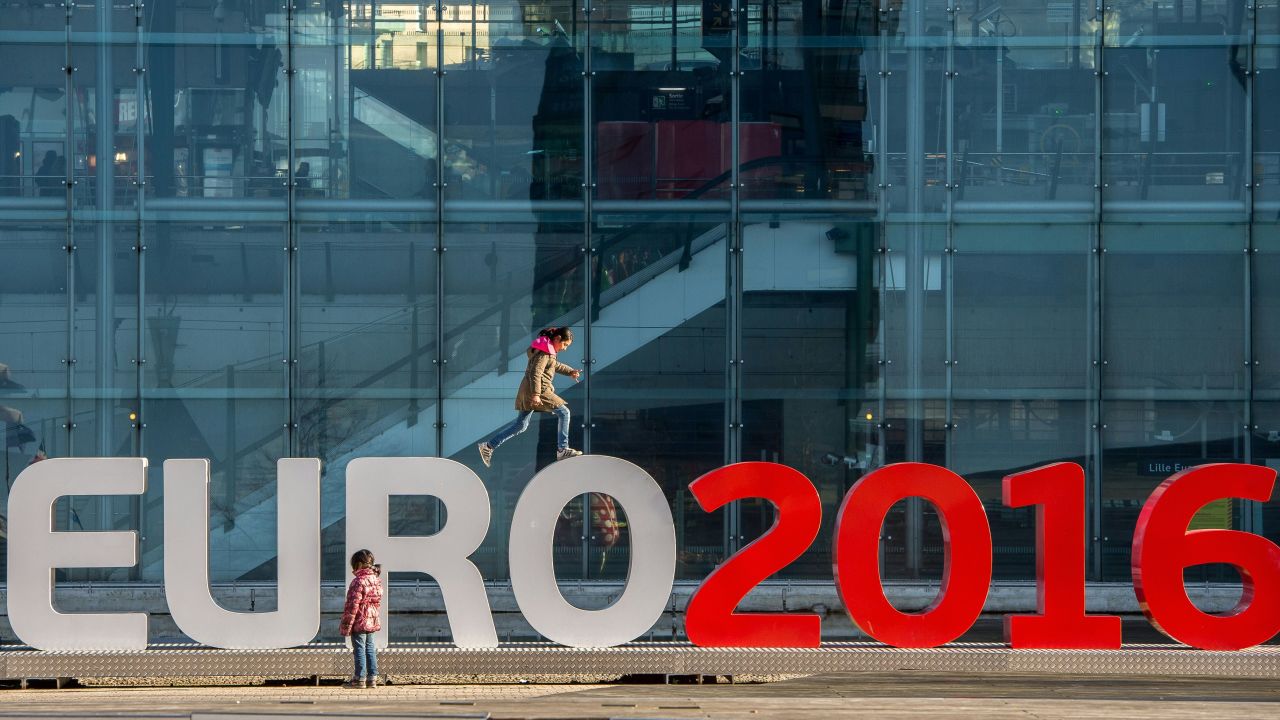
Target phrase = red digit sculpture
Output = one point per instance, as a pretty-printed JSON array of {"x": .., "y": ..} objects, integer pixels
[
  {"x": 966, "y": 539},
  {"x": 1057, "y": 491},
  {"x": 1162, "y": 548},
  {"x": 710, "y": 618}
]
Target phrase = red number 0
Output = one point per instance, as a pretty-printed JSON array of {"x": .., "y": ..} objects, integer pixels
[
  {"x": 1057, "y": 491},
  {"x": 1162, "y": 547},
  {"x": 710, "y": 618},
  {"x": 966, "y": 548}
]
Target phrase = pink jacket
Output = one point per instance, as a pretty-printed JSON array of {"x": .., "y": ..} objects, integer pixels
[
  {"x": 364, "y": 598},
  {"x": 543, "y": 343}
]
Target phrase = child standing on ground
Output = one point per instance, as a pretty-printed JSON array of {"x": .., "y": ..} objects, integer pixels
[
  {"x": 360, "y": 618},
  {"x": 537, "y": 394}
]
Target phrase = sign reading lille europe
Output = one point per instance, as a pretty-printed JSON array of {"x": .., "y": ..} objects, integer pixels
[{"x": 1162, "y": 548}]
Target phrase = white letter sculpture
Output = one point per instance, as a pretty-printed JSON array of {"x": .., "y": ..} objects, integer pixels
[
  {"x": 296, "y": 618},
  {"x": 653, "y": 552},
  {"x": 370, "y": 484},
  {"x": 36, "y": 550}
]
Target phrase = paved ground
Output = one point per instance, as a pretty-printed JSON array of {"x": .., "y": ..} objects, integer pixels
[{"x": 895, "y": 695}]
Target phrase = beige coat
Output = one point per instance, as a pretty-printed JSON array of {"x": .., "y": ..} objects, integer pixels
[{"x": 538, "y": 377}]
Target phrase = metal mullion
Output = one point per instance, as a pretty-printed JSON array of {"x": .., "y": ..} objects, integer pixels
[
  {"x": 1094, "y": 483},
  {"x": 140, "y": 181},
  {"x": 949, "y": 251},
  {"x": 439, "y": 360},
  {"x": 1252, "y": 516},
  {"x": 588, "y": 257},
  {"x": 68, "y": 184},
  {"x": 292, "y": 333},
  {"x": 588, "y": 238},
  {"x": 882, "y": 210},
  {"x": 733, "y": 277}
]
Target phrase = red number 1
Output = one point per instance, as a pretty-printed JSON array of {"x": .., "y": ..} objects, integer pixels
[{"x": 1057, "y": 492}]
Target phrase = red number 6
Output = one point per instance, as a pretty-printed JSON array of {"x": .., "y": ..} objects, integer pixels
[{"x": 1162, "y": 547}]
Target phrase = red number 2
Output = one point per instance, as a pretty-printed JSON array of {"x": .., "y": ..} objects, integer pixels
[
  {"x": 1057, "y": 491},
  {"x": 710, "y": 618}
]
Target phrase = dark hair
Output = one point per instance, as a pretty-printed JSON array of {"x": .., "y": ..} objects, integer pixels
[
  {"x": 361, "y": 558},
  {"x": 557, "y": 333}
]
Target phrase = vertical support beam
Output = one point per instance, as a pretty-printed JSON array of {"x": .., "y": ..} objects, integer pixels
[
  {"x": 949, "y": 251},
  {"x": 589, "y": 249},
  {"x": 915, "y": 272},
  {"x": 68, "y": 184},
  {"x": 293, "y": 335},
  {"x": 439, "y": 360},
  {"x": 1251, "y": 519},
  {"x": 590, "y": 256},
  {"x": 69, "y": 234},
  {"x": 882, "y": 248},
  {"x": 104, "y": 197},
  {"x": 733, "y": 272},
  {"x": 1097, "y": 426},
  {"x": 139, "y": 502}
]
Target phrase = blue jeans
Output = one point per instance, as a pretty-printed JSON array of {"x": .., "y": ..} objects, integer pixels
[
  {"x": 366, "y": 651},
  {"x": 521, "y": 423}
]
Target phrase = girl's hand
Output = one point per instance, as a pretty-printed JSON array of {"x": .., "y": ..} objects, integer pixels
[
  {"x": 575, "y": 375},
  {"x": 537, "y": 399}
]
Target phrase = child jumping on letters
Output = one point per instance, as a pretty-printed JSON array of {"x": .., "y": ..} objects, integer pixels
[
  {"x": 537, "y": 394},
  {"x": 360, "y": 618}
]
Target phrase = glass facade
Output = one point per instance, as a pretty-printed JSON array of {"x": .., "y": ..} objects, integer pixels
[{"x": 830, "y": 234}]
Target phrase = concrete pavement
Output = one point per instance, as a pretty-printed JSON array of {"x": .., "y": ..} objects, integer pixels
[{"x": 904, "y": 694}]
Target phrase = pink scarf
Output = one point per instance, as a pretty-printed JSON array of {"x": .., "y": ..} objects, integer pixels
[{"x": 543, "y": 343}]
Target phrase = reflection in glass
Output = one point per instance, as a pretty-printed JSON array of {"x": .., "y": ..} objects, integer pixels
[{"x": 658, "y": 368}]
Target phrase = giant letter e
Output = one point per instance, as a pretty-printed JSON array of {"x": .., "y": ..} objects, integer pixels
[{"x": 36, "y": 550}]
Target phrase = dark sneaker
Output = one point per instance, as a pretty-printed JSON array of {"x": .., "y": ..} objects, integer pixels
[
  {"x": 372, "y": 682},
  {"x": 567, "y": 453},
  {"x": 354, "y": 684},
  {"x": 486, "y": 453}
]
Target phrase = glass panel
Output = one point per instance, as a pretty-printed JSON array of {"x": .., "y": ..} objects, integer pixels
[
  {"x": 367, "y": 362},
  {"x": 1265, "y": 432},
  {"x": 810, "y": 384},
  {"x": 1174, "y": 123},
  {"x": 215, "y": 380},
  {"x": 217, "y": 123},
  {"x": 1266, "y": 312},
  {"x": 33, "y": 345},
  {"x": 513, "y": 93},
  {"x": 33, "y": 105},
  {"x": 807, "y": 131},
  {"x": 1266, "y": 108},
  {"x": 104, "y": 383},
  {"x": 912, "y": 545},
  {"x": 1146, "y": 441},
  {"x": 1266, "y": 451},
  {"x": 1025, "y": 121},
  {"x": 661, "y": 99},
  {"x": 915, "y": 84},
  {"x": 1023, "y": 344},
  {"x": 994, "y": 438},
  {"x": 658, "y": 363},
  {"x": 1022, "y": 311},
  {"x": 105, "y": 326},
  {"x": 366, "y": 93},
  {"x": 369, "y": 77},
  {"x": 106, "y": 111},
  {"x": 1174, "y": 310},
  {"x": 915, "y": 310},
  {"x": 504, "y": 280}
]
